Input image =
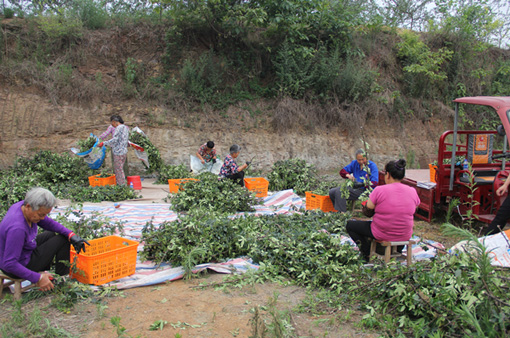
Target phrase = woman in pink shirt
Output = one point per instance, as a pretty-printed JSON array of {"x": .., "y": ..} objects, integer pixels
[{"x": 394, "y": 204}]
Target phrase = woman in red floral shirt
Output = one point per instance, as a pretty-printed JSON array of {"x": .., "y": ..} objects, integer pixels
[
  {"x": 207, "y": 153},
  {"x": 230, "y": 170}
]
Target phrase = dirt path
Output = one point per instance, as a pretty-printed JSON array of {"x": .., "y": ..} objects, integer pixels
[{"x": 196, "y": 312}]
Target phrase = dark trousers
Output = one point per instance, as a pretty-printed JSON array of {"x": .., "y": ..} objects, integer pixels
[
  {"x": 49, "y": 247},
  {"x": 361, "y": 234},
  {"x": 501, "y": 218},
  {"x": 340, "y": 203},
  {"x": 238, "y": 178}
]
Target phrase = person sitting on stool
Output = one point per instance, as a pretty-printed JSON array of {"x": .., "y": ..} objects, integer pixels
[
  {"x": 394, "y": 204},
  {"x": 230, "y": 170}
]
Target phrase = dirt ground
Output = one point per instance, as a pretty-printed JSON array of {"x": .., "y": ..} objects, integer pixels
[{"x": 201, "y": 312}]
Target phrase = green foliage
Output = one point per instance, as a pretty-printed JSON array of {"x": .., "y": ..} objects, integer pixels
[
  {"x": 169, "y": 172},
  {"x": 210, "y": 193},
  {"x": 301, "y": 70},
  {"x": 155, "y": 161},
  {"x": 190, "y": 260},
  {"x": 293, "y": 68},
  {"x": 279, "y": 323},
  {"x": 473, "y": 21},
  {"x": 86, "y": 144},
  {"x": 158, "y": 325},
  {"x": 324, "y": 186},
  {"x": 295, "y": 245},
  {"x": 59, "y": 29},
  {"x": 355, "y": 81},
  {"x": 111, "y": 193},
  {"x": 292, "y": 174},
  {"x": 64, "y": 175},
  {"x": 201, "y": 80},
  {"x": 501, "y": 80},
  {"x": 424, "y": 66},
  {"x": 91, "y": 13},
  {"x": 8, "y": 13},
  {"x": 89, "y": 226}
]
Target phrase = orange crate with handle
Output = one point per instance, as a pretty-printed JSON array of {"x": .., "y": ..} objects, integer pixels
[
  {"x": 106, "y": 259},
  {"x": 174, "y": 184},
  {"x": 259, "y": 185},
  {"x": 314, "y": 201},
  {"x": 95, "y": 180}
]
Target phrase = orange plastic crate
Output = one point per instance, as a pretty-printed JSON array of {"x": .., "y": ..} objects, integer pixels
[
  {"x": 314, "y": 201},
  {"x": 99, "y": 181},
  {"x": 106, "y": 259},
  {"x": 257, "y": 184},
  {"x": 174, "y": 184}
]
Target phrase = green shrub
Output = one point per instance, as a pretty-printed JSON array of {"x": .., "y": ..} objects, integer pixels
[
  {"x": 354, "y": 81},
  {"x": 293, "y": 67},
  {"x": 202, "y": 78},
  {"x": 60, "y": 30},
  {"x": 501, "y": 79},
  {"x": 91, "y": 13}
]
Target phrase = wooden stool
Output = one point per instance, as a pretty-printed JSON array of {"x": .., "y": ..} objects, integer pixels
[
  {"x": 352, "y": 206},
  {"x": 18, "y": 289},
  {"x": 390, "y": 250}
]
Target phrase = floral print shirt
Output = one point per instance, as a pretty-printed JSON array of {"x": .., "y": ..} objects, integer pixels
[
  {"x": 206, "y": 156},
  {"x": 109, "y": 131},
  {"x": 229, "y": 167},
  {"x": 119, "y": 141}
]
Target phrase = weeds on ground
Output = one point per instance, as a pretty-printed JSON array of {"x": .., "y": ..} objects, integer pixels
[
  {"x": 35, "y": 322},
  {"x": 274, "y": 323}
]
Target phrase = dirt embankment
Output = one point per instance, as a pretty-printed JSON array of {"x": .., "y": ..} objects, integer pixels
[
  {"x": 35, "y": 116},
  {"x": 31, "y": 123}
]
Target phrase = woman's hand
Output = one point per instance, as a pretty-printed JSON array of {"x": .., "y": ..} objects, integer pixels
[
  {"x": 501, "y": 190},
  {"x": 44, "y": 282}
]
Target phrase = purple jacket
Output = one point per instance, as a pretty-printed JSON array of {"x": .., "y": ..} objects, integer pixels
[{"x": 17, "y": 241}]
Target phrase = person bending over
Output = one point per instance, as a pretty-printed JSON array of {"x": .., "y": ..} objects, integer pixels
[
  {"x": 207, "y": 153},
  {"x": 230, "y": 170},
  {"x": 23, "y": 252}
]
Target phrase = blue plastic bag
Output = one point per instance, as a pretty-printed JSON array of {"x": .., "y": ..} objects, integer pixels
[{"x": 94, "y": 157}]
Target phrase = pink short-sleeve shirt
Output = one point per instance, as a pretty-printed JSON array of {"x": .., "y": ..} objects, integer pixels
[{"x": 395, "y": 205}]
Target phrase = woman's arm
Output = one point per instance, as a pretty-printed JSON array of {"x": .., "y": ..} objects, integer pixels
[
  {"x": 200, "y": 157},
  {"x": 370, "y": 204},
  {"x": 501, "y": 190}
]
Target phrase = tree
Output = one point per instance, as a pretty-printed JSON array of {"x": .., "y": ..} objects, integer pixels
[
  {"x": 470, "y": 19},
  {"x": 409, "y": 14}
]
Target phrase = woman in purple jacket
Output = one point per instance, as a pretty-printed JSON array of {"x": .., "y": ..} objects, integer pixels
[{"x": 23, "y": 253}]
